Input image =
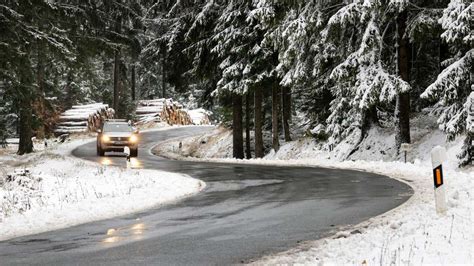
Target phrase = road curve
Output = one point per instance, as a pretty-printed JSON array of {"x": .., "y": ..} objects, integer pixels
[{"x": 245, "y": 212}]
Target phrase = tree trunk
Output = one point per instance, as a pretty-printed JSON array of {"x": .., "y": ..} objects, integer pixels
[
  {"x": 116, "y": 80},
  {"x": 39, "y": 106},
  {"x": 133, "y": 82},
  {"x": 25, "y": 99},
  {"x": 286, "y": 100},
  {"x": 258, "y": 117},
  {"x": 26, "y": 132},
  {"x": 163, "y": 73},
  {"x": 248, "y": 153},
  {"x": 275, "y": 114},
  {"x": 369, "y": 116},
  {"x": 68, "y": 99},
  {"x": 402, "y": 110},
  {"x": 237, "y": 134},
  {"x": 118, "y": 29}
]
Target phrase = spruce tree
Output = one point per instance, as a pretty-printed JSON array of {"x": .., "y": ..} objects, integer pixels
[
  {"x": 24, "y": 25},
  {"x": 453, "y": 85},
  {"x": 361, "y": 80}
]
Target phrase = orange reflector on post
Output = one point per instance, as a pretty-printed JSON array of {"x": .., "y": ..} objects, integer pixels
[
  {"x": 438, "y": 156},
  {"x": 438, "y": 176}
]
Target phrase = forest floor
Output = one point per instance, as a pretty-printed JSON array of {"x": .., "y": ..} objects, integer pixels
[
  {"x": 411, "y": 234},
  {"x": 50, "y": 189}
]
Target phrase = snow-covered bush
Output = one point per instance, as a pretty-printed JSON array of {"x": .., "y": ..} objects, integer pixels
[{"x": 20, "y": 189}]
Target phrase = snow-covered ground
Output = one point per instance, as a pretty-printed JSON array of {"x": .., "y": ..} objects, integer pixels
[
  {"x": 411, "y": 234},
  {"x": 214, "y": 144},
  {"x": 50, "y": 189},
  {"x": 200, "y": 116}
]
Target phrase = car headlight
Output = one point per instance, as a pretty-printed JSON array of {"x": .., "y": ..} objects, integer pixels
[
  {"x": 133, "y": 138},
  {"x": 105, "y": 138}
]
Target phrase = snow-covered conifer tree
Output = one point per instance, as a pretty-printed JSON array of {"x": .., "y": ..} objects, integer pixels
[
  {"x": 455, "y": 83},
  {"x": 452, "y": 86},
  {"x": 232, "y": 42},
  {"x": 361, "y": 80}
]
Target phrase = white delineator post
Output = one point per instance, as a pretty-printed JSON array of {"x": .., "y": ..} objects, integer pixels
[
  {"x": 438, "y": 156},
  {"x": 126, "y": 150}
]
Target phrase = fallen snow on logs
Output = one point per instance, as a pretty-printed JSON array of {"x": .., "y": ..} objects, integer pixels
[
  {"x": 169, "y": 111},
  {"x": 83, "y": 118},
  {"x": 200, "y": 116}
]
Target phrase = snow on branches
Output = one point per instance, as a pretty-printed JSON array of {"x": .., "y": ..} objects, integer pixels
[
  {"x": 239, "y": 45},
  {"x": 363, "y": 72},
  {"x": 361, "y": 80},
  {"x": 398, "y": 5},
  {"x": 293, "y": 39},
  {"x": 457, "y": 22},
  {"x": 451, "y": 90},
  {"x": 231, "y": 45},
  {"x": 350, "y": 14},
  {"x": 263, "y": 13},
  {"x": 450, "y": 80}
]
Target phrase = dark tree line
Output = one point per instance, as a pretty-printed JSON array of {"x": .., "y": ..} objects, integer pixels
[{"x": 60, "y": 53}]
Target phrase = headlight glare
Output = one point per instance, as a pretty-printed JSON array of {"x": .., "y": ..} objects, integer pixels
[
  {"x": 105, "y": 138},
  {"x": 133, "y": 138}
]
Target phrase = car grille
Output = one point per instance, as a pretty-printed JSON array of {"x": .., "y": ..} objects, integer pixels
[{"x": 119, "y": 138}]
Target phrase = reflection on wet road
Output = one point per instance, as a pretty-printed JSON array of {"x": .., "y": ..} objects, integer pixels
[
  {"x": 115, "y": 235},
  {"x": 246, "y": 211}
]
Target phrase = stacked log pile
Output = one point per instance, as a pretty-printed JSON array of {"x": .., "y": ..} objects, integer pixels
[
  {"x": 83, "y": 118},
  {"x": 149, "y": 111},
  {"x": 162, "y": 110},
  {"x": 174, "y": 114}
]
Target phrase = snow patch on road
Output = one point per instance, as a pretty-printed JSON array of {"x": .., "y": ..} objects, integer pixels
[{"x": 59, "y": 191}]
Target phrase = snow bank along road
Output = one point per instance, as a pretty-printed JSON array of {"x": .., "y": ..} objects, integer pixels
[{"x": 245, "y": 212}]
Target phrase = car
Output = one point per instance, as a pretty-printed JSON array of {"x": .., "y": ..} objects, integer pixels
[{"x": 115, "y": 135}]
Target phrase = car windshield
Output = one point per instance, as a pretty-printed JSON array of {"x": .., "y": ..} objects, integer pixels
[{"x": 109, "y": 127}]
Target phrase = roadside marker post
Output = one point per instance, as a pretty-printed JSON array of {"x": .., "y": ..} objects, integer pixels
[
  {"x": 438, "y": 156},
  {"x": 126, "y": 150},
  {"x": 405, "y": 148}
]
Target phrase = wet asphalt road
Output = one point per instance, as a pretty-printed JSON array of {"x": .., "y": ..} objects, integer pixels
[{"x": 245, "y": 212}]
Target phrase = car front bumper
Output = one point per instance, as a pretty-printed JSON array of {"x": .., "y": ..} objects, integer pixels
[{"x": 117, "y": 145}]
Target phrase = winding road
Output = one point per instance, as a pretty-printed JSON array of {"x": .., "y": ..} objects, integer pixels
[{"x": 245, "y": 212}]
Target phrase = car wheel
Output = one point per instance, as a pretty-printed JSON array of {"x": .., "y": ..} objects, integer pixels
[
  {"x": 134, "y": 152},
  {"x": 100, "y": 152}
]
